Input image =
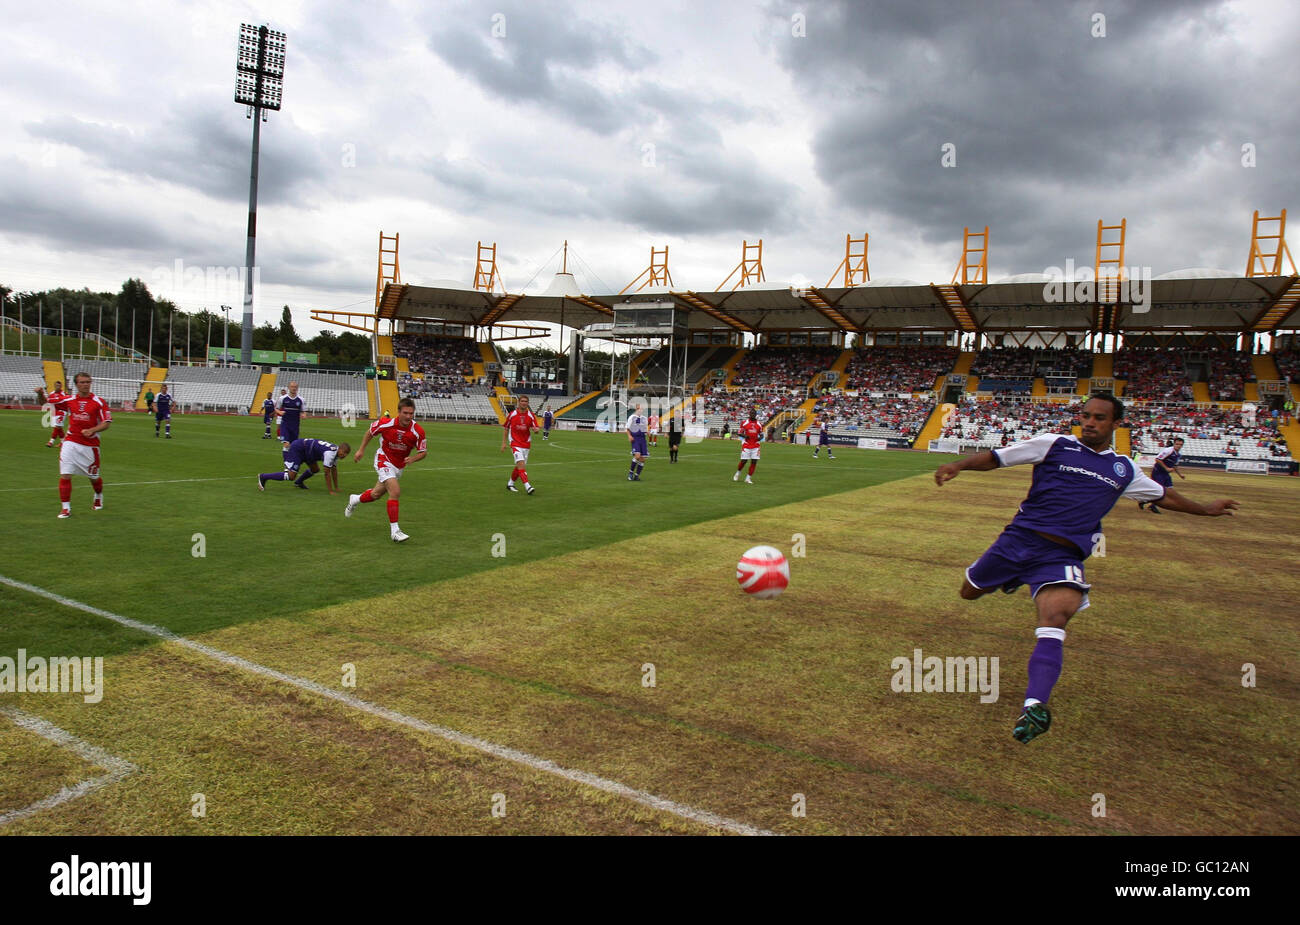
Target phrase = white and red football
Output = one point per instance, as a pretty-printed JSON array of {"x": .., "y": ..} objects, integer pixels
[{"x": 763, "y": 572}]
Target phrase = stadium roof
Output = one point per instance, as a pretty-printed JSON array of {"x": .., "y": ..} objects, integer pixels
[{"x": 1260, "y": 303}]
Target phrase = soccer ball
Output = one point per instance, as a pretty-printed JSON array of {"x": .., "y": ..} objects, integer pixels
[{"x": 763, "y": 572}]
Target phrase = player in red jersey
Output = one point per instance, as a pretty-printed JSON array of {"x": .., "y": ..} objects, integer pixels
[
  {"x": 57, "y": 417},
  {"x": 88, "y": 417},
  {"x": 521, "y": 424},
  {"x": 401, "y": 442},
  {"x": 752, "y": 432}
]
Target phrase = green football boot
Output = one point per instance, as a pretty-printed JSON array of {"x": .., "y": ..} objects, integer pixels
[{"x": 1032, "y": 723}]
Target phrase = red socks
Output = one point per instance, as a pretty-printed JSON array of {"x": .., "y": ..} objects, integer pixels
[
  {"x": 367, "y": 497},
  {"x": 65, "y": 489},
  {"x": 392, "y": 511},
  {"x": 752, "y": 466},
  {"x": 98, "y": 485}
]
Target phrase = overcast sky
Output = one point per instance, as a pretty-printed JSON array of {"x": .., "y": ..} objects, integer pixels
[{"x": 623, "y": 125}]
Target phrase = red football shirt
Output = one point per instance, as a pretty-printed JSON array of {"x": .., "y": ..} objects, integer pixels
[
  {"x": 397, "y": 442},
  {"x": 82, "y": 413},
  {"x": 519, "y": 425},
  {"x": 54, "y": 398},
  {"x": 751, "y": 431}
]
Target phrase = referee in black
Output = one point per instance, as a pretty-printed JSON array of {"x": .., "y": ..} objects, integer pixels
[{"x": 674, "y": 438}]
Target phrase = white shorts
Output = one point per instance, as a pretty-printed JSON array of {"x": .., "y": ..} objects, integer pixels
[
  {"x": 78, "y": 459},
  {"x": 521, "y": 454},
  {"x": 385, "y": 468},
  {"x": 749, "y": 454}
]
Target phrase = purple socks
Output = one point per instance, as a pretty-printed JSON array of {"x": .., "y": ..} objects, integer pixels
[{"x": 1045, "y": 663}]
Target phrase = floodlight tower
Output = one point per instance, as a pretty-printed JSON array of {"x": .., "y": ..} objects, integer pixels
[{"x": 259, "y": 82}]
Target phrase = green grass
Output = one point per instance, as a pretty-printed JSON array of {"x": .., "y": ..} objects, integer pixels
[
  {"x": 543, "y": 649},
  {"x": 50, "y": 347}
]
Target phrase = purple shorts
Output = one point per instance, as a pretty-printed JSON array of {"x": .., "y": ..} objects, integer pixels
[{"x": 1021, "y": 555}]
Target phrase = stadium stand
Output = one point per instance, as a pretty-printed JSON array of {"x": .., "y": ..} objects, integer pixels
[
  {"x": 460, "y": 407},
  {"x": 654, "y": 371},
  {"x": 1012, "y": 370},
  {"x": 325, "y": 393},
  {"x": 719, "y": 406},
  {"x": 128, "y": 376},
  {"x": 438, "y": 359},
  {"x": 19, "y": 377},
  {"x": 1212, "y": 432},
  {"x": 1288, "y": 364},
  {"x": 1226, "y": 373},
  {"x": 204, "y": 388},
  {"x": 898, "y": 369},
  {"x": 1152, "y": 374},
  {"x": 865, "y": 416},
  {"x": 783, "y": 367},
  {"x": 994, "y": 423}
]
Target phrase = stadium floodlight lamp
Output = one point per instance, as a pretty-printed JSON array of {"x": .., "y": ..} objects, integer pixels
[
  {"x": 259, "y": 69},
  {"x": 259, "y": 83}
]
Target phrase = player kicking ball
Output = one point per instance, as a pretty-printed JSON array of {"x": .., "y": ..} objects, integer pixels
[
  {"x": 752, "y": 432},
  {"x": 1077, "y": 480},
  {"x": 401, "y": 442},
  {"x": 520, "y": 426},
  {"x": 308, "y": 455}
]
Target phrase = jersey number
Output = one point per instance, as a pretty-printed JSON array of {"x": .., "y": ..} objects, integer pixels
[{"x": 1074, "y": 573}]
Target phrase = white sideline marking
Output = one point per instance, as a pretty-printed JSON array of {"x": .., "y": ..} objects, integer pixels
[
  {"x": 451, "y": 735},
  {"x": 117, "y": 768}
]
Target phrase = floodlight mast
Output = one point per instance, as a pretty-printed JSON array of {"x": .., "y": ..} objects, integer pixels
[{"x": 259, "y": 83}]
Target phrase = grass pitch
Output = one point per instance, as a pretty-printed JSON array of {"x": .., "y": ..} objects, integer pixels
[{"x": 777, "y": 714}]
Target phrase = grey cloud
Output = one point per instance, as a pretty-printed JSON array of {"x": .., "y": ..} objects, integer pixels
[
  {"x": 202, "y": 147},
  {"x": 1052, "y": 127},
  {"x": 540, "y": 58}
]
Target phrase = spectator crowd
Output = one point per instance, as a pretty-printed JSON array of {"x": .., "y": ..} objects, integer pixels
[
  {"x": 898, "y": 369},
  {"x": 783, "y": 367}
]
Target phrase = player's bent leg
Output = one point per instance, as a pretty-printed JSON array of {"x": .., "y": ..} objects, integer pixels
[
  {"x": 969, "y": 592},
  {"x": 1056, "y": 604}
]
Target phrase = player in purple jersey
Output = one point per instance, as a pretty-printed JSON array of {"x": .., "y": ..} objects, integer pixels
[
  {"x": 268, "y": 415},
  {"x": 1167, "y": 461},
  {"x": 308, "y": 455},
  {"x": 547, "y": 420},
  {"x": 163, "y": 414},
  {"x": 823, "y": 439},
  {"x": 1076, "y": 482},
  {"x": 637, "y": 425},
  {"x": 290, "y": 408}
]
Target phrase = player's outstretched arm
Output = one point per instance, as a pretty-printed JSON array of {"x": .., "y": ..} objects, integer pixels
[
  {"x": 982, "y": 461},
  {"x": 1173, "y": 501},
  {"x": 416, "y": 457},
  {"x": 361, "y": 449}
]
